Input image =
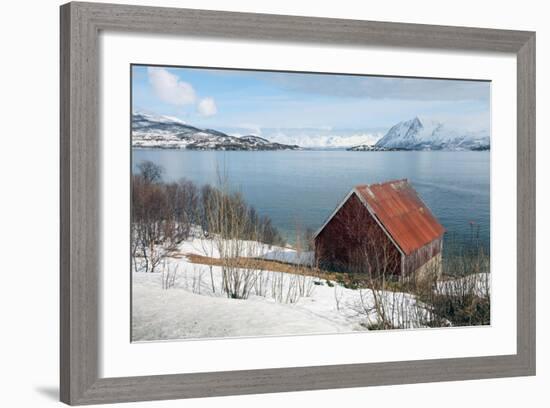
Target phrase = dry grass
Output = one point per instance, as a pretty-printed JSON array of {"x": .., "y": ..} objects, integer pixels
[
  {"x": 344, "y": 279},
  {"x": 261, "y": 264}
]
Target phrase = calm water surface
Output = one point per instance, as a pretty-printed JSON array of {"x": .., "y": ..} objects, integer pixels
[{"x": 303, "y": 187}]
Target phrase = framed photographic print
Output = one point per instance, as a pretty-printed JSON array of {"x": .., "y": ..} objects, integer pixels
[{"x": 259, "y": 203}]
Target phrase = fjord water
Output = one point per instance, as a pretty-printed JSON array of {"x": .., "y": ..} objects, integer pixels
[{"x": 302, "y": 188}]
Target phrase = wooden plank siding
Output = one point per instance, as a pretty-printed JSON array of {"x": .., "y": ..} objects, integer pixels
[
  {"x": 353, "y": 241},
  {"x": 382, "y": 229},
  {"x": 421, "y": 256}
]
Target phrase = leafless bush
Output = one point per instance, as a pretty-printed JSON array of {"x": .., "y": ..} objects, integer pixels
[
  {"x": 463, "y": 301},
  {"x": 428, "y": 302},
  {"x": 161, "y": 215},
  {"x": 169, "y": 276},
  {"x": 461, "y": 297},
  {"x": 261, "y": 283},
  {"x": 384, "y": 309},
  {"x": 338, "y": 292},
  {"x": 306, "y": 284},
  {"x": 302, "y": 265},
  {"x": 464, "y": 260},
  {"x": 277, "y": 286},
  {"x": 292, "y": 292},
  {"x": 197, "y": 280},
  {"x": 289, "y": 287},
  {"x": 164, "y": 214},
  {"x": 284, "y": 288},
  {"x": 226, "y": 216}
]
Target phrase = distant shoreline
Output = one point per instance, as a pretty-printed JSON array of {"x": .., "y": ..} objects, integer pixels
[{"x": 311, "y": 149}]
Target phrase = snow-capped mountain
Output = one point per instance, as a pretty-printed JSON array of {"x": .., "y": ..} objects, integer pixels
[
  {"x": 324, "y": 138},
  {"x": 171, "y": 133},
  {"x": 415, "y": 134},
  {"x": 314, "y": 138}
]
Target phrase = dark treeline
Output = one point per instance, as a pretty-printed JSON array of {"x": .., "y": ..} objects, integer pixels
[{"x": 164, "y": 214}]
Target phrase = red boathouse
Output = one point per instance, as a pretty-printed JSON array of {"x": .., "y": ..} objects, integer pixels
[{"x": 383, "y": 229}]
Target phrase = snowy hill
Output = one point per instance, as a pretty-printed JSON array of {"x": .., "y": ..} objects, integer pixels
[
  {"x": 171, "y": 133},
  {"x": 415, "y": 134}
]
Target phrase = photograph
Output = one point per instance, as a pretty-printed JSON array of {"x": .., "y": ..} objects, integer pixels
[{"x": 276, "y": 203}]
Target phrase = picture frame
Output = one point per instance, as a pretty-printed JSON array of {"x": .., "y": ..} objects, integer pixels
[{"x": 80, "y": 158}]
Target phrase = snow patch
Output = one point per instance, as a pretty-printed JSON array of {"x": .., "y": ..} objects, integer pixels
[{"x": 279, "y": 303}]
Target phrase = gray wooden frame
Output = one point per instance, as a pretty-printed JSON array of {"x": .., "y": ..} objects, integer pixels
[{"x": 80, "y": 191}]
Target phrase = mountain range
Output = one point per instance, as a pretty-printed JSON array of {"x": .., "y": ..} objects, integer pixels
[
  {"x": 166, "y": 132},
  {"x": 415, "y": 134},
  {"x": 171, "y": 133}
]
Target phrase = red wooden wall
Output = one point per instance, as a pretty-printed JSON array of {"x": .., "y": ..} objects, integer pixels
[{"x": 352, "y": 241}]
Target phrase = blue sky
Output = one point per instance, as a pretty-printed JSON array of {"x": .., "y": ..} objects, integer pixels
[{"x": 223, "y": 99}]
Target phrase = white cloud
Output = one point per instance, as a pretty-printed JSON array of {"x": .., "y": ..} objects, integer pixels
[
  {"x": 169, "y": 88},
  {"x": 207, "y": 107}
]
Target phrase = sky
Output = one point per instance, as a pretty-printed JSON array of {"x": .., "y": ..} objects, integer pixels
[{"x": 256, "y": 100}]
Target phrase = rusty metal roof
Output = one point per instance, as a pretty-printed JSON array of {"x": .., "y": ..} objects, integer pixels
[{"x": 402, "y": 213}]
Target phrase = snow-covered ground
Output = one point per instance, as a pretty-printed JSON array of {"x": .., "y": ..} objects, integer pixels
[
  {"x": 478, "y": 284},
  {"x": 278, "y": 303},
  {"x": 178, "y": 314},
  {"x": 251, "y": 249}
]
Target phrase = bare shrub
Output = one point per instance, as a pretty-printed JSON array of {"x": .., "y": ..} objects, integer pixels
[
  {"x": 284, "y": 288},
  {"x": 169, "y": 276},
  {"x": 165, "y": 214},
  {"x": 226, "y": 216},
  {"x": 261, "y": 283},
  {"x": 338, "y": 292},
  {"x": 197, "y": 280},
  {"x": 463, "y": 301},
  {"x": 162, "y": 215}
]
